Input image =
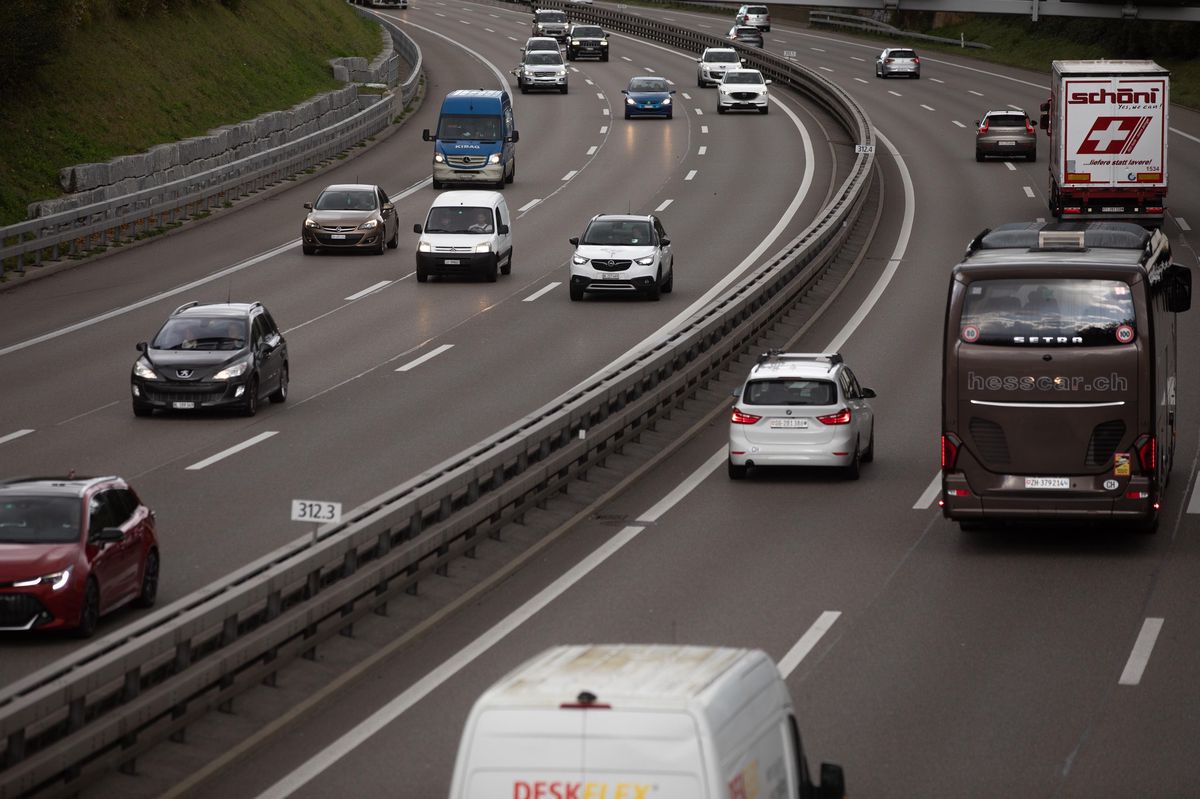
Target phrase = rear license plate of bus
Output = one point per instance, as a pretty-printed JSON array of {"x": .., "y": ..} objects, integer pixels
[
  {"x": 802, "y": 424},
  {"x": 183, "y": 406},
  {"x": 1047, "y": 482}
]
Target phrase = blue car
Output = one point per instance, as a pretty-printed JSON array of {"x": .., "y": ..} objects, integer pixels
[{"x": 648, "y": 97}]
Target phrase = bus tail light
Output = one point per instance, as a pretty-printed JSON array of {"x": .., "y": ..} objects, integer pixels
[
  {"x": 741, "y": 417},
  {"x": 958, "y": 492},
  {"x": 841, "y": 417},
  {"x": 1147, "y": 451},
  {"x": 950, "y": 447}
]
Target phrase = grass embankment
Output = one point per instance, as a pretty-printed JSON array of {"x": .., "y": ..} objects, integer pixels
[{"x": 120, "y": 86}]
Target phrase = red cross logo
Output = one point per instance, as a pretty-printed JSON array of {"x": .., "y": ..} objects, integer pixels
[{"x": 1114, "y": 135}]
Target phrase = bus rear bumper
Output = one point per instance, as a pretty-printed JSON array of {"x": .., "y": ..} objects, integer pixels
[{"x": 1133, "y": 500}]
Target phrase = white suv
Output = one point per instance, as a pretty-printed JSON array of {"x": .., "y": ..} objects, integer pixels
[
  {"x": 743, "y": 89},
  {"x": 622, "y": 254},
  {"x": 713, "y": 62},
  {"x": 801, "y": 409}
]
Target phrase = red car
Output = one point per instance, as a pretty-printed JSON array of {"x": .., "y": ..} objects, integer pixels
[{"x": 71, "y": 550}]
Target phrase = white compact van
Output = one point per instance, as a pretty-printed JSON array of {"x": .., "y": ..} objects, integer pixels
[
  {"x": 465, "y": 233},
  {"x": 638, "y": 722}
]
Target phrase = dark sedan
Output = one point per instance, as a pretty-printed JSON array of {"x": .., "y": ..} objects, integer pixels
[{"x": 648, "y": 97}]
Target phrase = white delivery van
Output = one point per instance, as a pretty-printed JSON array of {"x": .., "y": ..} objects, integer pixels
[
  {"x": 466, "y": 233},
  {"x": 638, "y": 722}
]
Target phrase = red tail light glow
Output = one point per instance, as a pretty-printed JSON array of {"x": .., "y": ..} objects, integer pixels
[
  {"x": 950, "y": 445},
  {"x": 1029, "y": 128},
  {"x": 916, "y": 60},
  {"x": 1147, "y": 451},
  {"x": 740, "y": 417},
  {"x": 841, "y": 417}
]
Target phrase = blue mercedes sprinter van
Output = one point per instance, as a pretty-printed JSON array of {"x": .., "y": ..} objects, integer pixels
[{"x": 475, "y": 140}]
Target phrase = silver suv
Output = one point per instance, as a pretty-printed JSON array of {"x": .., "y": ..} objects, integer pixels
[
  {"x": 898, "y": 61},
  {"x": 801, "y": 409},
  {"x": 550, "y": 22},
  {"x": 755, "y": 15}
]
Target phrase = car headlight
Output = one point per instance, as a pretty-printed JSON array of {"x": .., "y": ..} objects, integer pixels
[
  {"x": 649, "y": 259},
  {"x": 142, "y": 369},
  {"x": 604, "y": 42},
  {"x": 370, "y": 224},
  {"x": 485, "y": 247},
  {"x": 494, "y": 158},
  {"x": 579, "y": 260},
  {"x": 424, "y": 246},
  {"x": 438, "y": 158},
  {"x": 667, "y": 101},
  {"x": 56, "y": 580},
  {"x": 233, "y": 370},
  {"x": 574, "y": 42},
  {"x": 630, "y": 101},
  {"x": 311, "y": 224}
]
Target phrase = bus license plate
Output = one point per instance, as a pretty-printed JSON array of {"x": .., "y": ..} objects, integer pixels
[
  {"x": 1047, "y": 482},
  {"x": 802, "y": 424}
]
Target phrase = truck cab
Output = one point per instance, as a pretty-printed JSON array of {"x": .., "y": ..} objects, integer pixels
[{"x": 475, "y": 141}]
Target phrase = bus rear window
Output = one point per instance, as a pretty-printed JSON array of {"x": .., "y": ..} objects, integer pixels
[{"x": 1078, "y": 312}]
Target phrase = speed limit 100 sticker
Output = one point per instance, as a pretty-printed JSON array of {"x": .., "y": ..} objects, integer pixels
[
  {"x": 1124, "y": 334},
  {"x": 970, "y": 334}
]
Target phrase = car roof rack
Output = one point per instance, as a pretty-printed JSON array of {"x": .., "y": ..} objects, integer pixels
[
  {"x": 831, "y": 358},
  {"x": 185, "y": 306}
]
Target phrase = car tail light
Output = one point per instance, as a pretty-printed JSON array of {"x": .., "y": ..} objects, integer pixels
[
  {"x": 1147, "y": 452},
  {"x": 841, "y": 417},
  {"x": 887, "y": 60},
  {"x": 950, "y": 447},
  {"x": 740, "y": 417},
  {"x": 958, "y": 492},
  {"x": 916, "y": 60},
  {"x": 1029, "y": 128},
  {"x": 983, "y": 127},
  {"x": 745, "y": 18}
]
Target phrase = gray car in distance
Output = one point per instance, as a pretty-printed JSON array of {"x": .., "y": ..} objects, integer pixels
[
  {"x": 1007, "y": 134},
  {"x": 897, "y": 61}
]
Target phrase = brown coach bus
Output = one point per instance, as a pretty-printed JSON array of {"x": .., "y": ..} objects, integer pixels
[{"x": 1058, "y": 374}]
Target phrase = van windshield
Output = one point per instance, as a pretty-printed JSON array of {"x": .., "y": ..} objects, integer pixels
[
  {"x": 469, "y": 127},
  {"x": 1078, "y": 312},
  {"x": 459, "y": 219}
]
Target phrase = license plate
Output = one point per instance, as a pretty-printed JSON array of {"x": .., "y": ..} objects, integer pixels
[
  {"x": 1047, "y": 482},
  {"x": 337, "y": 235},
  {"x": 1111, "y": 209},
  {"x": 801, "y": 424},
  {"x": 610, "y": 275},
  {"x": 183, "y": 406},
  {"x": 452, "y": 262},
  {"x": 1007, "y": 144}
]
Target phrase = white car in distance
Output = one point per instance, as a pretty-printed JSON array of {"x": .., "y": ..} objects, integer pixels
[{"x": 714, "y": 62}]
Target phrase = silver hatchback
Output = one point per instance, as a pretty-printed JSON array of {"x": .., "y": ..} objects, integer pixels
[
  {"x": 801, "y": 409},
  {"x": 756, "y": 15},
  {"x": 898, "y": 61}
]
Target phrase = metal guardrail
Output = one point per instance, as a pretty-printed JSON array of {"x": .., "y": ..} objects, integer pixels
[
  {"x": 115, "y": 698},
  {"x": 98, "y": 225},
  {"x": 875, "y": 26}
]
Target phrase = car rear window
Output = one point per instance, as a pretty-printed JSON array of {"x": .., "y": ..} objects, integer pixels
[
  {"x": 756, "y": 9},
  {"x": 1079, "y": 312},
  {"x": 794, "y": 391},
  {"x": 902, "y": 54},
  {"x": 1006, "y": 120},
  {"x": 39, "y": 520}
]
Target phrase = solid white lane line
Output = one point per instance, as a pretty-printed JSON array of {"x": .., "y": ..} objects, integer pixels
[
  {"x": 368, "y": 290},
  {"x": 699, "y": 112},
  {"x": 704, "y": 128},
  {"x": 528, "y": 205},
  {"x": 936, "y": 80},
  {"x": 703, "y": 149},
  {"x": 322, "y": 760},
  {"x": 1183, "y": 225},
  {"x": 543, "y": 290},
  {"x": 860, "y": 80},
  {"x": 570, "y": 174},
  {"x": 956, "y": 122},
  {"x": 433, "y": 353},
  {"x": 898, "y": 94},
  {"x": 928, "y": 108},
  {"x": 14, "y": 436},
  {"x": 825, "y": 69},
  {"x": 930, "y": 493},
  {"x": 1028, "y": 191},
  {"x": 691, "y": 174},
  {"x": 686, "y": 96},
  {"x": 817, "y": 49},
  {"x": 603, "y": 129},
  {"x": 663, "y": 205},
  {"x": 1140, "y": 656},
  {"x": 592, "y": 150},
  {"x": 1010, "y": 166},
  {"x": 250, "y": 442},
  {"x": 972, "y": 91},
  {"x": 807, "y": 641}
]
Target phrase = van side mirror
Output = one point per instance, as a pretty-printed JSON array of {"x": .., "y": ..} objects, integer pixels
[
  {"x": 574, "y": 240},
  {"x": 672, "y": 91},
  {"x": 503, "y": 229},
  {"x": 308, "y": 206},
  {"x": 767, "y": 81},
  {"x": 425, "y": 135},
  {"x": 514, "y": 136},
  {"x": 417, "y": 228},
  {"x": 142, "y": 346},
  {"x": 1045, "y": 107},
  {"x": 868, "y": 393},
  {"x": 1179, "y": 288},
  {"x": 833, "y": 782}
]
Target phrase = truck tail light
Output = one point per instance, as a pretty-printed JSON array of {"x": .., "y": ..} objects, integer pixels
[
  {"x": 841, "y": 417},
  {"x": 740, "y": 417},
  {"x": 950, "y": 446},
  {"x": 1154, "y": 209},
  {"x": 1147, "y": 452}
]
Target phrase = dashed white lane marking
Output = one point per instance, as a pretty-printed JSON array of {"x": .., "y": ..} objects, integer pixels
[
  {"x": 929, "y": 494},
  {"x": 1183, "y": 225},
  {"x": 807, "y": 641},
  {"x": 463, "y": 21},
  {"x": 19, "y": 433},
  {"x": 570, "y": 174},
  {"x": 588, "y": 81},
  {"x": 603, "y": 129},
  {"x": 592, "y": 150},
  {"x": 250, "y": 442},
  {"x": 703, "y": 149},
  {"x": 433, "y": 353},
  {"x": 780, "y": 41},
  {"x": 576, "y": 69},
  {"x": 699, "y": 112},
  {"x": 928, "y": 107},
  {"x": 368, "y": 290},
  {"x": 825, "y": 69},
  {"x": 1010, "y": 166},
  {"x": 439, "y": 13},
  {"x": 704, "y": 128},
  {"x": 972, "y": 91},
  {"x": 856, "y": 58},
  {"x": 626, "y": 58},
  {"x": 1041, "y": 219},
  {"x": 489, "y": 30},
  {"x": 1029, "y": 192},
  {"x": 1015, "y": 107},
  {"x": 1194, "y": 503},
  {"x": 649, "y": 69},
  {"x": 670, "y": 82},
  {"x": 543, "y": 290},
  {"x": 860, "y": 80},
  {"x": 1140, "y": 656},
  {"x": 898, "y": 94},
  {"x": 528, "y": 205},
  {"x": 686, "y": 96},
  {"x": 956, "y": 122},
  {"x": 691, "y": 174},
  {"x": 663, "y": 205},
  {"x": 814, "y": 49},
  {"x": 600, "y": 95},
  {"x": 514, "y": 38},
  {"x": 494, "y": 16},
  {"x": 936, "y": 80},
  {"x": 604, "y": 111}
]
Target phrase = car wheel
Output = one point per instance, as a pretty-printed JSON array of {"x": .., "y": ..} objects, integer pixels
[
  {"x": 89, "y": 613},
  {"x": 605, "y": 57},
  {"x": 422, "y": 275},
  {"x": 627, "y": 115},
  {"x": 720, "y": 109},
  {"x": 437, "y": 185},
  {"x": 700, "y": 83},
  {"x": 142, "y": 410},
  {"x": 250, "y": 404},
  {"x": 280, "y": 394},
  {"x": 149, "y": 592},
  {"x": 978, "y": 156},
  {"x": 737, "y": 472},
  {"x": 669, "y": 286},
  {"x": 394, "y": 241},
  {"x": 869, "y": 454},
  {"x": 764, "y": 109},
  {"x": 379, "y": 249},
  {"x": 854, "y": 470},
  {"x": 563, "y": 90},
  {"x": 1031, "y": 157},
  {"x": 307, "y": 249},
  {"x": 576, "y": 293},
  {"x": 507, "y": 268},
  {"x": 512, "y": 173},
  {"x": 917, "y": 76},
  {"x": 524, "y": 90},
  {"x": 654, "y": 293},
  {"x": 671, "y": 115},
  {"x": 490, "y": 272}
]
